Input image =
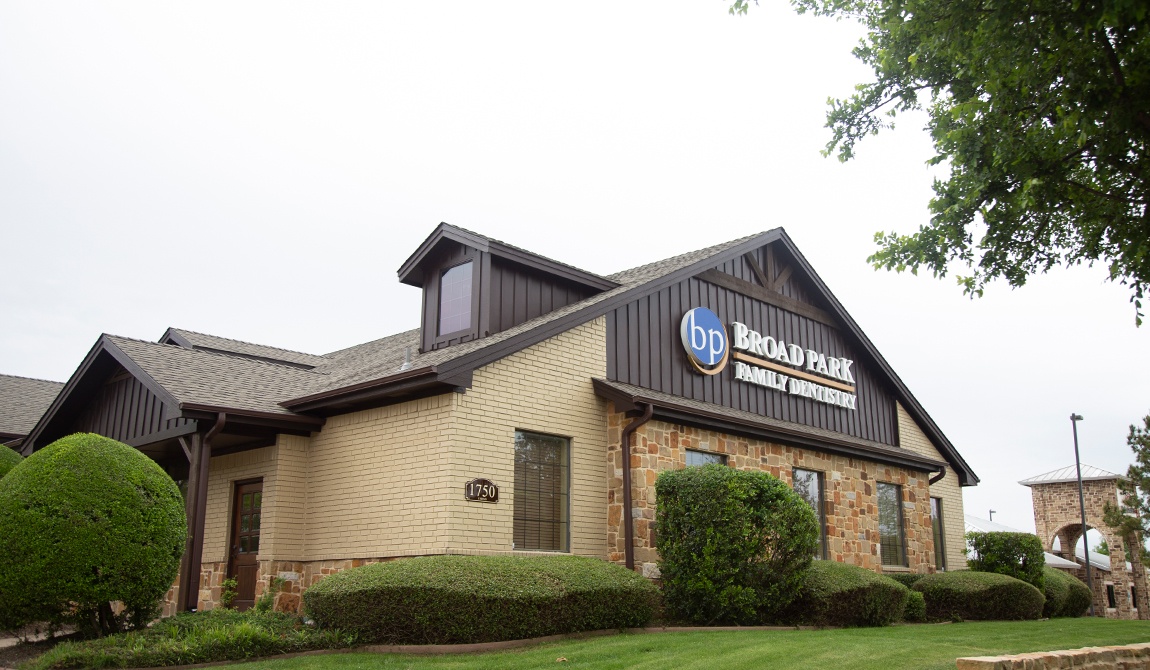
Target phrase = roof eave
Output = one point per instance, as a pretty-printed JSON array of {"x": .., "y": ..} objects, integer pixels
[
  {"x": 962, "y": 469},
  {"x": 794, "y": 436}
]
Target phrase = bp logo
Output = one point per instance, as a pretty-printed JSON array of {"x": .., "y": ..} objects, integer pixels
[{"x": 705, "y": 340}]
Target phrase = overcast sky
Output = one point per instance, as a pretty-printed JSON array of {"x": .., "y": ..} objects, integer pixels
[{"x": 260, "y": 171}]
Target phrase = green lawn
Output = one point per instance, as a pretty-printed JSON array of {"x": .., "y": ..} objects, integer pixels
[{"x": 894, "y": 648}]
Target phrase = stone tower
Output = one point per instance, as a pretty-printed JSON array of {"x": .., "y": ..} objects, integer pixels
[{"x": 1057, "y": 515}]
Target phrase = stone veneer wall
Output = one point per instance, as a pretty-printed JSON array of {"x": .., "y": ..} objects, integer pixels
[
  {"x": 1057, "y": 514},
  {"x": 850, "y": 495},
  {"x": 911, "y": 437}
]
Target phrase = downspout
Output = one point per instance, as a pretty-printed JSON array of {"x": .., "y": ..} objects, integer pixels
[
  {"x": 625, "y": 452},
  {"x": 937, "y": 478}
]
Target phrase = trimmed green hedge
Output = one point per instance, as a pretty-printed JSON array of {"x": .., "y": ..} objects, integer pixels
[
  {"x": 185, "y": 639},
  {"x": 8, "y": 459},
  {"x": 1017, "y": 555},
  {"x": 907, "y": 579},
  {"x": 86, "y": 521},
  {"x": 915, "y": 611},
  {"x": 463, "y": 599},
  {"x": 733, "y": 544},
  {"x": 970, "y": 595},
  {"x": 837, "y": 594},
  {"x": 1066, "y": 595}
]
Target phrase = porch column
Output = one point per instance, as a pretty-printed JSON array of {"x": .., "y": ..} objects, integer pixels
[{"x": 195, "y": 506}]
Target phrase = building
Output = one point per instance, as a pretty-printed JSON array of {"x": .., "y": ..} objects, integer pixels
[
  {"x": 510, "y": 421},
  {"x": 1120, "y": 588},
  {"x": 22, "y": 403}
]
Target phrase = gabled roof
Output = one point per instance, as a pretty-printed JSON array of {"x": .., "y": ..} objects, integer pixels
[
  {"x": 22, "y": 403},
  {"x": 186, "y": 381},
  {"x": 411, "y": 271},
  {"x": 1070, "y": 474},
  {"x": 194, "y": 371}
]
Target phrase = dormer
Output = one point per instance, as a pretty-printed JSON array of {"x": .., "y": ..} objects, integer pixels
[{"x": 474, "y": 286}]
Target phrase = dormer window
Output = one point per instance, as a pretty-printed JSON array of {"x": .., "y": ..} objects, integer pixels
[{"x": 455, "y": 299}]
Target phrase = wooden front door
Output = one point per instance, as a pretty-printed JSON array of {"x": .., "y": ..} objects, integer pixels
[{"x": 243, "y": 564}]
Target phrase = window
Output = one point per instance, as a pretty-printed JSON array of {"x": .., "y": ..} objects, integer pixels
[
  {"x": 1111, "y": 601},
  {"x": 455, "y": 299},
  {"x": 1133, "y": 597},
  {"x": 704, "y": 458},
  {"x": 890, "y": 524},
  {"x": 936, "y": 527},
  {"x": 542, "y": 485},
  {"x": 809, "y": 484}
]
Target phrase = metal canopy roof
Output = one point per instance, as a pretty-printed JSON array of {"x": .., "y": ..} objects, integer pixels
[{"x": 1069, "y": 474}]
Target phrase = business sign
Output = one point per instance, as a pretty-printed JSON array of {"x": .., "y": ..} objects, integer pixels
[
  {"x": 766, "y": 361},
  {"x": 705, "y": 340}
]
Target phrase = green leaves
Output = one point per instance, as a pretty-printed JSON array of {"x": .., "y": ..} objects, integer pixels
[
  {"x": 1042, "y": 111},
  {"x": 733, "y": 545}
]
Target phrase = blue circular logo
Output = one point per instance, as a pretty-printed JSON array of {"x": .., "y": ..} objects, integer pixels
[{"x": 705, "y": 340}]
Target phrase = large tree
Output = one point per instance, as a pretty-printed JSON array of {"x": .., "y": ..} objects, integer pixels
[{"x": 1041, "y": 109}]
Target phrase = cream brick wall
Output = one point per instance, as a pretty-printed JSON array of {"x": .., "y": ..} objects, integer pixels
[
  {"x": 286, "y": 521},
  {"x": 223, "y": 472},
  {"x": 545, "y": 388},
  {"x": 953, "y": 522},
  {"x": 379, "y": 482}
]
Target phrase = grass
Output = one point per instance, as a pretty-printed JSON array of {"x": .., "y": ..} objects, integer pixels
[{"x": 894, "y": 648}]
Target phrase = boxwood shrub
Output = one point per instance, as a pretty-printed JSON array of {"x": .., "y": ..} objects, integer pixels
[
  {"x": 8, "y": 459},
  {"x": 915, "y": 611},
  {"x": 733, "y": 544},
  {"x": 970, "y": 595},
  {"x": 907, "y": 579},
  {"x": 192, "y": 638},
  {"x": 1018, "y": 555},
  {"x": 837, "y": 594},
  {"x": 86, "y": 521},
  {"x": 463, "y": 599},
  {"x": 1066, "y": 595}
]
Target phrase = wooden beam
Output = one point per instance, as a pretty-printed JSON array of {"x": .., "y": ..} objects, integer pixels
[
  {"x": 189, "y": 588},
  {"x": 759, "y": 293},
  {"x": 750, "y": 257},
  {"x": 777, "y": 284}
]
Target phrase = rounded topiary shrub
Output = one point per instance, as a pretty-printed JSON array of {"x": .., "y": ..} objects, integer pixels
[
  {"x": 837, "y": 594},
  {"x": 1019, "y": 555},
  {"x": 915, "y": 611},
  {"x": 970, "y": 595},
  {"x": 464, "y": 599},
  {"x": 733, "y": 545},
  {"x": 87, "y": 521},
  {"x": 1056, "y": 588},
  {"x": 1066, "y": 595},
  {"x": 8, "y": 459}
]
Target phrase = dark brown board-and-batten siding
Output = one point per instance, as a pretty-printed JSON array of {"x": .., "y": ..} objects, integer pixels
[
  {"x": 644, "y": 349},
  {"x": 124, "y": 409}
]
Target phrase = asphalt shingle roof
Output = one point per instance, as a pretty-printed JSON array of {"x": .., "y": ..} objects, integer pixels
[
  {"x": 219, "y": 380},
  {"x": 212, "y": 376},
  {"x": 23, "y": 401},
  {"x": 203, "y": 340}
]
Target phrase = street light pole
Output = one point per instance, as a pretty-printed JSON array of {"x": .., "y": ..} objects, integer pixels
[{"x": 1074, "y": 419}]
